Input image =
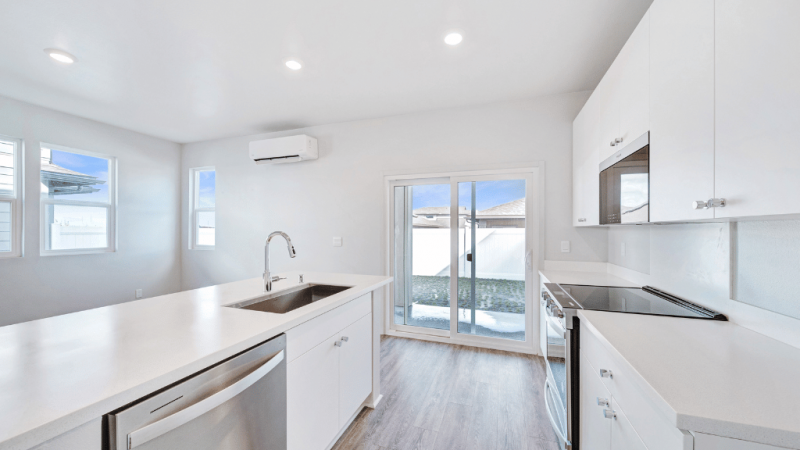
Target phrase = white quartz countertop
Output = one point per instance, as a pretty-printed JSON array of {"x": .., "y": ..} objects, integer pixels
[
  {"x": 585, "y": 278},
  {"x": 716, "y": 377},
  {"x": 61, "y": 372}
]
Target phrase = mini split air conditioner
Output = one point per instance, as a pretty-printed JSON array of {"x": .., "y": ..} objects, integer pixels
[{"x": 284, "y": 150}]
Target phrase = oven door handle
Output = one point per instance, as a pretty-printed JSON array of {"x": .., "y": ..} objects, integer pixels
[
  {"x": 169, "y": 423},
  {"x": 547, "y": 403}
]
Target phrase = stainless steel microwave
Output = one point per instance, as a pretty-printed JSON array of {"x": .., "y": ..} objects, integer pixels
[{"x": 625, "y": 184}]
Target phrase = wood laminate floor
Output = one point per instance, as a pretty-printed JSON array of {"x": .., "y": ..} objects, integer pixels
[{"x": 442, "y": 396}]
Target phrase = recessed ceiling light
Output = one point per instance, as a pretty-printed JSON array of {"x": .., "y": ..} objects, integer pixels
[
  {"x": 453, "y": 39},
  {"x": 60, "y": 55},
  {"x": 294, "y": 65}
]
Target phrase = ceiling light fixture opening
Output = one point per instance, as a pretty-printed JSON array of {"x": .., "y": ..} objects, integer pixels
[
  {"x": 453, "y": 39},
  {"x": 60, "y": 55},
  {"x": 294, "y": 65}
]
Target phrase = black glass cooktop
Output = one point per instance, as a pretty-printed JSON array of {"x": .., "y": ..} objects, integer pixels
[{"x": 646, "y": 300}]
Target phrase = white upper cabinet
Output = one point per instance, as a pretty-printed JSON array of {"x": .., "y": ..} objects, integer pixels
[
  {"x": 681, "y": 108},
  {"x": 607, "y": 98},
  {"x": 623, "y": 94},
  {"x": 586, "y": 160},
  {"x": 757, "y": 107},
  {"x": 634, "y": 87}
]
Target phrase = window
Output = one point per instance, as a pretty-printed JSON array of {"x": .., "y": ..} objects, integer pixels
[
  {"x": 203, "y": 189},
  {"x": 78, "y": 201},
  {"x": 10, "y": 195}
]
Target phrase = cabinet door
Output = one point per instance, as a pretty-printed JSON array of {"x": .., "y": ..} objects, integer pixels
[
  {"x": 312, "y": 397},
  {"x": 607, "y": 93},
  {"x": 623, "y": 436},
  {"x": 595, "y": 428},
  {"x": 355, "y": 368},
  {"x": 634, "y": 89},
  {"x": 757, "y": 107},
  {"x": 585, "y": 163},
  {"x": 682, "y": 108}
]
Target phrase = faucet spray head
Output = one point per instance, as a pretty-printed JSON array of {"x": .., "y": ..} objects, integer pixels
[{"x": 292, "y": 253}]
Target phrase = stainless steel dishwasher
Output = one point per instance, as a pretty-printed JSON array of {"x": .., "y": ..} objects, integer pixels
[{"x": 238, "y": 404}]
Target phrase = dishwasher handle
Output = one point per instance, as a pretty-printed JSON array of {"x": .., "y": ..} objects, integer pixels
[{"x": 169, "y": 423}]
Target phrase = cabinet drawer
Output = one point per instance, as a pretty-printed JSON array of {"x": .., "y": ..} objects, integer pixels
[
  {"x": 633, "y": 394},
  {"x": 623, "y": 436},
  {"x": 595, "y": 428},
  {"x": 306, "y": 336}
]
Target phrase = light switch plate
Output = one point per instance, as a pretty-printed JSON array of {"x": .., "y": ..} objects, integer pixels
[
  {"x": 337, "y": 241},
  {"x": 564, "y": 246},
  {"x": 138, "y": 293},
  {"x": 623, "y": 249}
]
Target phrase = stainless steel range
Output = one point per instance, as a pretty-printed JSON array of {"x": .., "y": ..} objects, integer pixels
[{"x": 559, "y": 306}]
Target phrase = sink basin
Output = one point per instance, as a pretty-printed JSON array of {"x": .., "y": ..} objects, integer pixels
[{"x": 285, "y": 301}]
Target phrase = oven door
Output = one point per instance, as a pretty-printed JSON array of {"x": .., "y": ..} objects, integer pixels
[{"x": 555, "y": 388}]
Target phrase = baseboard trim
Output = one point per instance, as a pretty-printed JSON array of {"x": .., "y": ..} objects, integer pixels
[{"x": 465, "y": 342}]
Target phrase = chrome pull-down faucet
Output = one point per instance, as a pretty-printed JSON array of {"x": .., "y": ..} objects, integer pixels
[{"x": 268, "y": 278}]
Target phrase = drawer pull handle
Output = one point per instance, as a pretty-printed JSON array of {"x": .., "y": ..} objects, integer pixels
[
  {"x": 610, "y": 414},
  {"x": 606, "y": 374},
  {"x": 337, "y": 344},
  {"x": 602, "y": 402},
  {"x": 345, "y": 338}
]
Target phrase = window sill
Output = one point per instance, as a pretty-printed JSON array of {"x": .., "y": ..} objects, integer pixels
[{"x": 76, "y": 252}]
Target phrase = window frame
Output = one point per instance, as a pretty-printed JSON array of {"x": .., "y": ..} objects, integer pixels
[
  {"x": 195, "y": 210},
  {"x": 110, "y": 206},
  {"x": 16, "y": 198}
]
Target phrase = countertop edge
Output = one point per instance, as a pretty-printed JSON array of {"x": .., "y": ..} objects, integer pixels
[
  {"x": 47, "y": 431},
  {"x": 706, "y": 425}
]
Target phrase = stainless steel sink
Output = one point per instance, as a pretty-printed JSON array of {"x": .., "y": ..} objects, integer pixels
[{"x": 289, "y": 300}]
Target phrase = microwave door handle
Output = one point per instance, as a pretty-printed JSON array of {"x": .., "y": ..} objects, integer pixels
[{"x": 169, "y": 423}]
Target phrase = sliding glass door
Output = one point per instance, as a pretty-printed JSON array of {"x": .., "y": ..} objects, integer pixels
[
  {"x": 491, "y": 260},
  {"x": 422, "y": 255},
  {"x": 470, "y": 239}
]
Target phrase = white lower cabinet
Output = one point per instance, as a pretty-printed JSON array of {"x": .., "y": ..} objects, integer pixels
[
  {"x": 604, "y": 425},
  {"x": 312, "y": 398},
  {"x": 633, "y": 420},
  {"x": 623, "y": 436},
  {"x": 595, "y": 399},
  {"x": 329, "y": 374},
  {"x": 355, "y": 368}
]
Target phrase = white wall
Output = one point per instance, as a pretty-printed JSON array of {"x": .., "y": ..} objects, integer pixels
[
  {"x": 342, "y": 193},
  {"x": 695, "y": 260},
  {"x": 147, "y": 256}
]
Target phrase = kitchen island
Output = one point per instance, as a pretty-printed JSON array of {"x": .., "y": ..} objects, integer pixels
[{"x": 63, "y": 373}]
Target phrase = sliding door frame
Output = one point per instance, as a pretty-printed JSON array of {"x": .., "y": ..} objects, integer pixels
[{"x": 533, "y": 173}]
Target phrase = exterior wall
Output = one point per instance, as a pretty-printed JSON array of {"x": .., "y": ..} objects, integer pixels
[{"x": 148, "y": 217}]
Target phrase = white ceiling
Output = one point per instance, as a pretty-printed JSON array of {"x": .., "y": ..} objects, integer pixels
[{"x": 191, "y": 70}]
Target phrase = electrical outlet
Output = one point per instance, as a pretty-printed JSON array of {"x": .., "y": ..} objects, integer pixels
[
  {"x": 564, "y": 246},
  {"x": 337, "y": 241},
  {"x": 623, "y": 249},
  {"x": 138, "y": 293}
]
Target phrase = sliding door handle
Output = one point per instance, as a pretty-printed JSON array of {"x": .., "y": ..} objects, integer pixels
[{"x": 169, "y": 423}]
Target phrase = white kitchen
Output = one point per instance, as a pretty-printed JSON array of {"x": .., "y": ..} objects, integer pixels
[{"x": 441, "y": 225}]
